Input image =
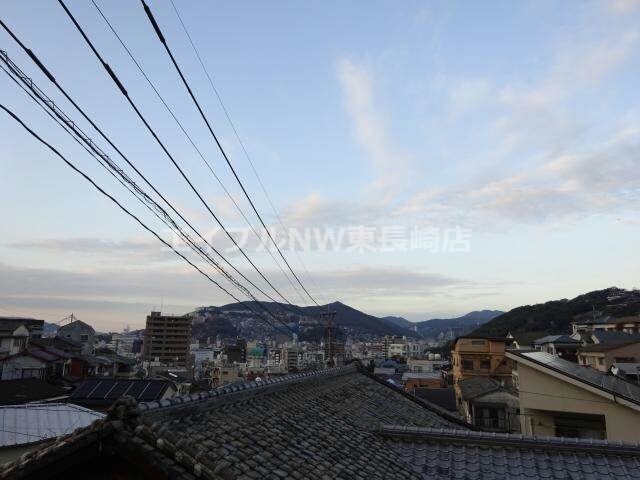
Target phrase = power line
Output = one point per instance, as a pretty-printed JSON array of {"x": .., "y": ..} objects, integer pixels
[
  {"x": 48, "y": 74},
  {"x": 123, "y": 208},
  {"x": 90, "y": 146},
  {"x": 224, "y": 154},
  {"x": 237, "y": 135},
  {"x": 152, "y": 85},
  {"x": 120, "y": 86}
]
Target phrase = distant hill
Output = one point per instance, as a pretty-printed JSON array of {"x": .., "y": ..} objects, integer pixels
[
  {"x": 238, "y": 319},
  {"x": 555, "y": 317},
  {"x": 399, "y": 321},
  {"x": 456, "y": 326}
]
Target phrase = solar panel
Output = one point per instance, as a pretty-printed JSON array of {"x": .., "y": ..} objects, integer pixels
[
  {"x": 119, "y": 389},
  {"x": 152, "y": 391},
  {"x": 102, "y": 389},
  {"x": 84, "y": 389},
  {"x": 137, "y": 388}
]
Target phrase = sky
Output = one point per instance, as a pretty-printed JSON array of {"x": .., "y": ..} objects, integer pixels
[{"x": 451, "y": 156}]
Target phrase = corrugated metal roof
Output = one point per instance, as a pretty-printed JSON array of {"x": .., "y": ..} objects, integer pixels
[{"x": 35, "y": 422}]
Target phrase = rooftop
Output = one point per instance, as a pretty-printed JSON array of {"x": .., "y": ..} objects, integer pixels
[
  {"x": 556, "y": 339},
  {"x": 446, "y": 454},
  {"x": 37, "y": 422},
  {"x": 475, "y": 386},
  {"x": 96, "y": 391},
  {"x": 28, "y": 390},
  {"x": 589, "y": 377}
]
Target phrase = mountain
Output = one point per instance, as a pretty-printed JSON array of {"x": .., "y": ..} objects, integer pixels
[
  {"x": 240, "y": 319},
  {"x": 399, "y": 322},
  {"x": 555, "y": 317},
  {"x": 454, "y": 327}
]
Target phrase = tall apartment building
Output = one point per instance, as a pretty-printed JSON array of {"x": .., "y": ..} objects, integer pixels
[{"x": 166, "y": 339}]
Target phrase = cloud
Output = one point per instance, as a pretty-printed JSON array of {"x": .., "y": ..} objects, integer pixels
[
  {"x": 624, "y": 6},
  {"x": 110, "y": 298},
  {"x": 369, "y": 126},
  {"x": 602, "y": 179}
]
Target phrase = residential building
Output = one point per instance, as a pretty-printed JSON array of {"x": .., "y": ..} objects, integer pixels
[
  {"x": 627, "y": 324},
  {"x": 563, "y": 346},
  {"x": 563, "y": 399},
  {"x": 236, "y": 353},
  {"x": 487, "y": 404},
  {"x": 79, "y": 332},
  {"x": 24, "y": 428},
  {"x": 14, "y": 338},
  {"x": 433, "y": 363},
  {"x": 481, "y": 356},
  {"x": 34, "y": 326},
  {"x": 417, "y": 380},
  {"x": 602, "y": 356},
  {"x": 36, "y": 362},
  {"x": 166, "y": 339},
  {"x": 336, "y": 423},
  {"x": 291, "y": 358}
]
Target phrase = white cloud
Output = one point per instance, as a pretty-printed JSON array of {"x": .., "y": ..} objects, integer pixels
[{"x": 370, "y": 129}]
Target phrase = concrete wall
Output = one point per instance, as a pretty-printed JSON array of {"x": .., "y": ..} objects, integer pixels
[{"x": 556, "y": 395}]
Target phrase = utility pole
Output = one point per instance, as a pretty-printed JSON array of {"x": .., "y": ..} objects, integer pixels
[
  {"x": 115, "y": 360},
  {"x": 327, "y": 319}
]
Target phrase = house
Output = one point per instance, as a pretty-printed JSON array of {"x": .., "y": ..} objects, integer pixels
[
  {"x": 416, "y": 380},
  {"x": 602, "y": 356},
  {"x": 334, "y": 423},
  {"x": 628, "y": 371},
  {"x": 79, "y": 332},
  {"x": 432, "y": 364},
  {"x": 14, "y": 338},
  {"x": 561, "y": 398},
  {"x": 100, "y": 394},
  {"x": 26, "y": 427},
  {"x": 480, "y": 356},
  {"x": 28, "y": 390},
  {"x": 487, "y": 404},
  {"x": 589, "y": 323},
  {"x": 563, "y": 346},
  {"x": 67, "y": 345},
  {"x": 34, "y": 326},
  {"x": 36, "y": 362}
]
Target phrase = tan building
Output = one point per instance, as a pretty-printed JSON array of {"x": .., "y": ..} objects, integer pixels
[
  {"x": 166, "y": 339},
  {"x": 602, "y": 356},
  {"x": 481, "y": 356},
  {"x": 421, "y": 380},
  {"x": 563, "y": 399}
]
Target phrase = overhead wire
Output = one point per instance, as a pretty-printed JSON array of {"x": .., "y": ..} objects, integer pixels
[
  {"x": 240, "y": 141},
  {"x": 122, "y": 207},
  {"x": 179, "y": 123},
  {"x": 109, "y": 165},
  {"x": 217, "y": 142},
  {"x": 51, "y": 78},
  {"x": 122, "y": 89}
]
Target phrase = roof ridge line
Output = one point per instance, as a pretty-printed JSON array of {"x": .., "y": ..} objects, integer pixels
[
  {"x": 195, "y": 398},
  {"x": 512, "y": 440}
]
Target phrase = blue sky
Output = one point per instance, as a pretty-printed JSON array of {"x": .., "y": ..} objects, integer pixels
[{"x": 517, "y": 121}]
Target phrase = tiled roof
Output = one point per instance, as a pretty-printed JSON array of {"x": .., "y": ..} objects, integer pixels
[
  {"x": 321, "y": 425},
  {"x": 556, "y": 339},
  {"x": 443, "y": 397},
  {"x": 604, "y": 381},
  {"x": 37, "y": 422},
  {"x": 452, "y": 454},
  {"x": 475, "y": 386}
]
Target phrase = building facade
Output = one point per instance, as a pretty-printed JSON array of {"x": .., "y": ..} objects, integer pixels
[
  {"x": 481, "y": 356},
  {"x": 167, "y": 339}
]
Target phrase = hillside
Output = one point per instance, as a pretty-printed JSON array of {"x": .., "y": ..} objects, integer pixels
[
  {"x": 458, "y": 326},
  {"x": 238, "y": 319},
  {"x": 555, "y": 317}
]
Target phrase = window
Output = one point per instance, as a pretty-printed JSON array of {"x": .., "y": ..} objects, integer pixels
[
  {"x": 477, "y": 342},
  {"x": 84, "y": 337},
  {"x": 485, "y": 364},
  {"x": 600, "y": 361},
  {"x": 467, "y": 364},
  {"x": 492, "y": 418}
]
